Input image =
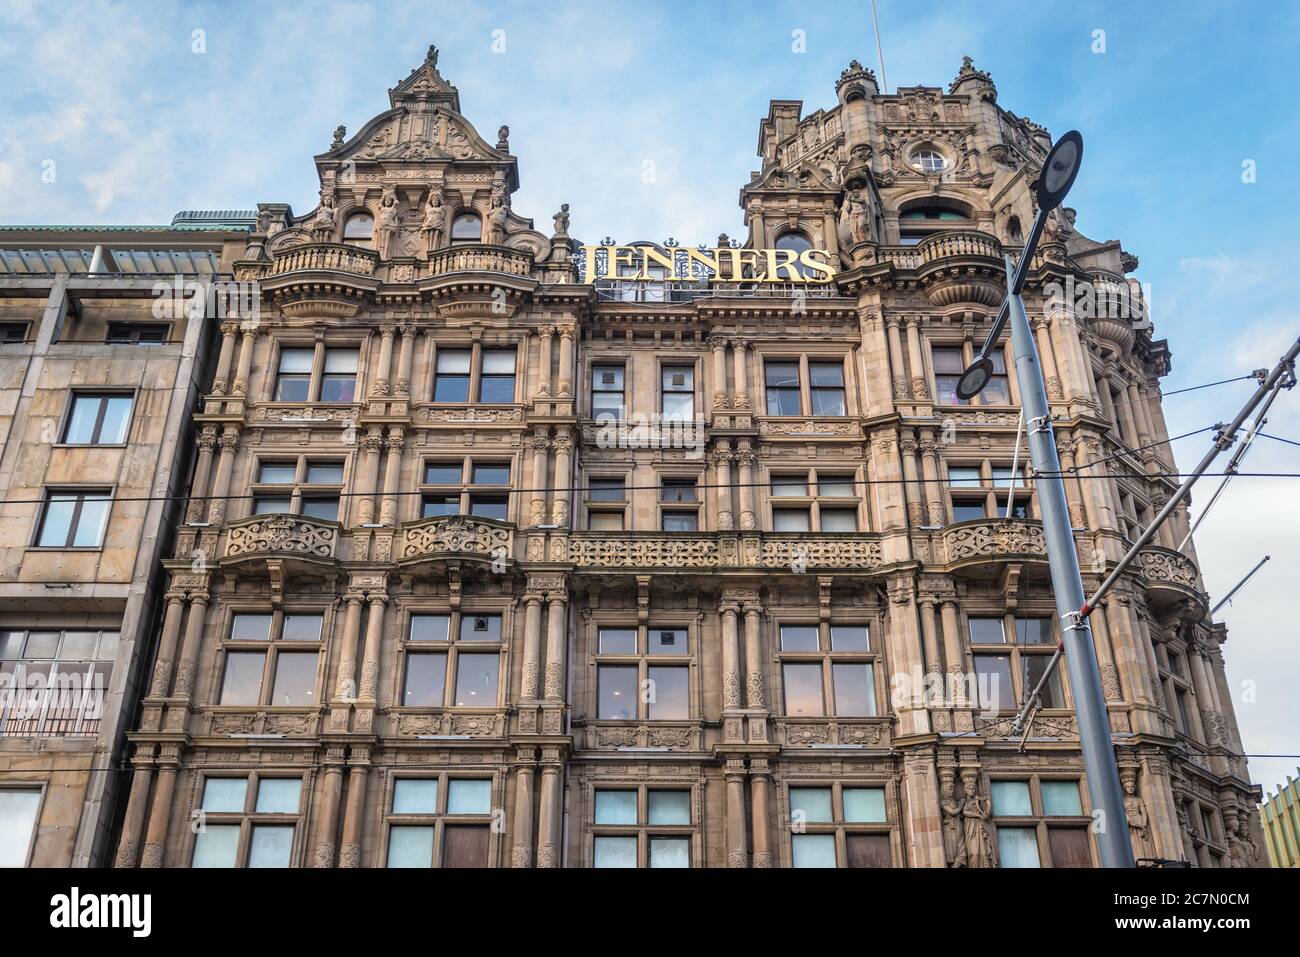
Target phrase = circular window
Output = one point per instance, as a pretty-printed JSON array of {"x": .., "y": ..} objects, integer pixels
[{"x": 928, "y": 160}]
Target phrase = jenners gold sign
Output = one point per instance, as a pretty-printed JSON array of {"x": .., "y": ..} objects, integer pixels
[{"x": 725, "y": 264}]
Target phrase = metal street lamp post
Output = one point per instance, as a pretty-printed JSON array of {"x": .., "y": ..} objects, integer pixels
[{"x": 1107, "y": 797}]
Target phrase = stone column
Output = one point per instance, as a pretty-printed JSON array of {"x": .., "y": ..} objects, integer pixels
[
  {"x": 920, "y": 388},
  {"x": 924, "y": 827},
  {"x": 731, "y": 697},
  {"x": 221, "y": 379},
  {"x": 740, "y": 397},
  {"x": 160, "y": 812},
  {"x": 567, "y": 334},
  {"x": 929, "y": 634},
  {"x": 128, "y": 845},
  {"x": 745, "y": 477},
  {"x": 345, "y": 685},
  {"x": 722, "y": 480},
  {"x": 1080, "y": 514},
  {"x": 759, "y": 779},
  {"x": 1207, "y": 697},
  {"x": 374, "y": 641},
  {"x": 382, "y": 386},
  {"x": 563, "y": 445},
  {"x": 329, "y": 821},
  {"x": 171, "y": 630},
  {"x": 245, "y": 366},
  {"x": 1110, "y": 684},
  {"x": 953, "y": 651},
  {"x": 548, "y": 824},
  {"x": 719, "y": 346},
  {"x": 532, "y": 647},
  {"x": 403, "y": 387},
  {"x": 537, "y": 505},
  {"x": 392, "y": 475},
  {"x": 930, "y": 469},
  {"x": 915, "y": 492},
  {"x": 198, "y": 503},
  {"x": 1048, "y": 358},
  {"x": 737, "y": 851},
  {"x": 896, "y": 357},
  {"x": 556, "y": 640},
  {"x": 754, "y": 697},
  {"x": 354, "y": 813},
  {"x": 547, "y": 335},
  {"x": 521, "y": 853},
  {"x": 221, "y": 484},
  {"x": 184, "y": 685}
]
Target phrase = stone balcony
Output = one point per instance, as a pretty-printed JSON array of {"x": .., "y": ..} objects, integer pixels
[
  {"x": 278, "y": 535},
  {"x": 454, "y": 536},
  {"x": 479, "y": 257},
  {"x": 325, "y": 257},
  {"x": 793, "y": 551},
  {"x": 959, "y": 265},
  {"x": 318, "y": 279}
]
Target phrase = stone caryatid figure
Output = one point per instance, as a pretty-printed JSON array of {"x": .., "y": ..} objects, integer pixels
[
  {"x": 1139, "y": 828},
  {"x": 954, "y": 840},
  {"x": 322, "y": 224},
  {"x": 562, "y": 222},
  {"x": 386, "y": 225},
  {"x": 497, "y": 216},
  {"x": 859, "y": 218},
  {"x": 977, "y": 830},
  {"x": 1185, "y": 828},
  {"x": 434, "y": 222}
]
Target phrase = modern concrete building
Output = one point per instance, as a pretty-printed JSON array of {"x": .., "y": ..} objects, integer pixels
[
  {"x": 506, "y": 552},
  {"x": 99, "y": 377},
  {"x": 1280, "y": 817}
]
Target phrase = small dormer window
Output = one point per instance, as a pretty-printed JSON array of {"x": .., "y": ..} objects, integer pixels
[
  {"x": 467, "y": 228},
  {"x": 928, "y": 161},
  {"x": 359, "y": 229}
]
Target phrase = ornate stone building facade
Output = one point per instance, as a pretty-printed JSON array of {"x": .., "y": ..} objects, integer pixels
[{"x": 489, "y": 565}]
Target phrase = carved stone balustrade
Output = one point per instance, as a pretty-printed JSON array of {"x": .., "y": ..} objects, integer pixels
[
  {"x": 292, "y": 535},
  {"x": 455, "y": 535},
  {"x": 961, "y": 266},
  {"x": 984, "y": 540},
  {"x": 325, "y": 257},
  {"x": 477, "y": 257},
  {"x": 1169, "y": 574},
  {"x": 796, "y": 552}
]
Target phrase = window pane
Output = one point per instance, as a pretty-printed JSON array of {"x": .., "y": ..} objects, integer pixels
[
  {"x": 425, "y": 678},
  {"x": 969, "y": 511},
  {"x": 91, "y": 523},
  {"x": 814, "y": 850},
  {"x": 454, "y": 361},
  {"x": 615, "y": 852},
  {"x": 864, "y": 805},
  {"x": 450, "y": 387},
  {"x": 948, "y": 360},
  {"x": 410, "y": 847},
  {"x": 616, "y": 807},
  {"x": 680, "y": 522},
  {"x": 669, "y": 694},
  {"x": 986, "y": 631},
  {"x": 803, "y": 690},
  {"x": 783, "y": 401},
  {"x": 42, "y": 644},
  {"x": 439, "y": 473},
  {"x": 224, "y": 795},
  {"x": 1017, "y": 847},
  {"x": 670, "y": 852},
  {"x": 826, "y": 374},
  {"x": 490, "y": 506},
  {"x": 667, "y": 641},
  {"x": 297, "y": 361},
  {"x": 117, "y": 417},
  {"x": 271, "y": 504},
  {"x": 252, "y": 627},
  {"x": 499, "y": 361},
  {"x": 469, "y": 796},
  {"x": 670, "y": 807},
  {"x": 276, "y": 473},
  {"x": 242, "y": 683},
  {"x": 1034, "y": 631},
  {"x": 679, "y": 407},
  {"x": 491, "y": 475},
  {"x": 480, "y": 628},
  {"x": 679, "y": 490},
  {"x": 1069, "y": 847},
  {"x": 436, "y": 505},
  {"x": 607, "y": 405},
  {"x": 607, "y": 378},
  {"x": 1010, "y": 798},
  {"x": 301, "y": 628},
  {"x": 292, "y": 388},
  {"x": 1034, "y": 667},
  {"x": 780, "y": 374},
  {"x": 849, "y": 638},
  {"x": 430, "y": 627},
  {"x": 678, "y": 379},
  {"x": 295, "y": 678},
  {"x": 790, "y": 519},
  {"x": 341, "y": 361},
  {"x": 18, "y": 809},
  {"x": 278, "y": 795},
  {"x": 605, "y": 521},
  {"x": 616, "y": 689},
  {"x": 996, "y": 392},
  {"x": 57, "y": 521},
  {"x": 993, "y": 673},
  {"x": 465, "y": 846},
  {"x": 497, "y": 389},
  {"x": 338, "y": 388},
  {"x": 476, "y": 680},
  {"x": 835, "y": 486},
  {"x": 855, "y": 693},
  {"x": 466, "y": 228},
  {"x": 827, "y": 401},
  {"x": 783, "y": 485},
  {"x": 839, "y": 519},
  {"x": 800, "y": 638},
  {"x": 617, "y": 641},
  {"x": 11, "y": 644},
  {"x": 605, "y": 490},
  {"x": 325, "y": 473},
  {"x": 963, "y": 476},
  {"x": 810, "y": 805},
  {"x": 216, "y": 846},
  {"x": 271, "y": 846},
  {"x": 415, "y": 796},
  {"x": 322, "y": 507},
  {"x": 1061, "y": 798},
  {"x": 78, "y": 645},
  {"x": 867, "y": 850},
  {"x": 81, "y": 423}
]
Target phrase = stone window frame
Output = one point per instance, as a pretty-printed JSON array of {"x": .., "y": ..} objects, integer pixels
[
  {"x": 662, "y": 364},
  {"x": 40, "y": 785},
  {"x": 476, "y": 347},
  {"x": 827, "y": 657},
  {"x": 466, "y": 489},
  {"x": 1014, "y": 650},
  {"x": 665, "y": 506},
  {"x": 98, "y": 490},
  {"x": 818, "y": 779},
  {"x": 1206, "y": 828},
  {"x": 440, "y": 818},
  {"x": 249, "y": 817},
  {"x": 595, "y": 506},
  {"x": 86, "y": 726},
  {"x": 595, "y": 363},
  {"x": 968, "y": 352},
  {"x": 1176, "y": 683},
  {"x": 995, "y": 496},
  {"x": 915, "y": 150},
  {"x": 643, "y": 660},
  {"x": 644, "y": 831},
  {"x": 226, "y": 644},
  {"x": 319, "y": 345},
  {"x": 299, "y": 489},
  {"x": 350, "y": 214},
  {"x": 464, "y": 213},
  {"x": 805, "y": 360},
  {"x": 455, "y": 616},
  {"x": 1038, "y": 819},
  {"x": 95, "y": 392},
  {"x": 813, "y": 504}
]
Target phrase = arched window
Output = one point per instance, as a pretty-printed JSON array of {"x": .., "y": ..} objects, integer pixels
[
  {"x": 359, "y": 229},
  {"x": 928, "y": 161},
  {"x": 797, "y": 243},
  {"x": 917, "y": 223},
  {"x": 466, "y": 228}
]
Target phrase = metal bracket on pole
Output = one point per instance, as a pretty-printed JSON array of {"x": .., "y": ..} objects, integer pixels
[{"x": 1040, "y": 423}]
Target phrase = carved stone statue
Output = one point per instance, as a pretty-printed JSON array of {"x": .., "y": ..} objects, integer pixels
[
  {"x": 976, "y": 812},
  {"x": 386, "y": 226},
  {"x": 503, "y": 138},
  {"x": 322, "y": 224},
  {"x": 1051, "y": 231},
  {"x": 340, "y": 133},
  {"x": 954, "y": 842},
  {"x": 562, "y": 222},
  {"x": 435, "y": 220},
  {"x": 859, "y": 218},
  {"x": 497, "y": 217},
  {"x": 1139, "y": 830},
  {"x": 1185, "y": 828}
]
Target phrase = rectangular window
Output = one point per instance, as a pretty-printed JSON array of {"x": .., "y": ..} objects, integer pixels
[
  {"x": 18, "y": 810},
  {"x": 422, "y": 832},
  {"x": 74, "y": 519},
  {"x": 783, "y": 390},
  {"x": 949, "y": 364},
  {"x": 1040, "y": 822},
  {"x": 605, "y": 503},
  {"x": 272, "y": 659},
  {"x": 497, "y": 380},
  {"x": 679, "y": 490},
  {"x": 607, "y": 397},
  {"x": 137, "y": 333},
  {"x": 680, "y": 521},
  {"x": 642, "y": 827},
  {"x": 293, "y": 380},
  {"x": 791, "y": 519},
  {"x": 308, "y": 487},
  {"x": 1007, "y": 677},
  {"x": 451, "y": 379},
  {"x": 11, "y": 332},
  {"x": 98, "y": 419},
  {"x": 467, "y": 487},
  {"x": 466, "y": 645},
  {"x": 808, "y": 501},
  {"x": 633, "y": 679},
  {"x": 822, "y": 815},
  {"x": 339, "y": 381},
  {"x": 678, "y": 393},
  {"x": 54, "y": 683},
  {"x": 826, "y": 387},
  {"x": 247, "y": 822}
]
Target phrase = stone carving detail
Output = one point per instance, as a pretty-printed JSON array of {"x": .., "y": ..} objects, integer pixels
[
  {"x": 153, "y": 855},
  {"x": 762, "y": 859},
  {"x": 644, "y": 552},
  {"x": 672, "y": 737},
  {"x": 976, "y": 829},
  {"x": 954, "y": 838},
  {"x": 873, "y": 733},
  {"x": 554, "y": 680},
  {"x": 282, "y": 533},
  {"x": 324, "y": 856},
  {"x": 521, "y": 855},
  {"x": 125, "y": 855},
  {"x": 991, "y": 539},
  {"x": 471, "y": 414},
  {"x": 456, "y": 533},
  {"x": 1139, "y": 829},
  {"x": 1162, "y": 566},
  {"x": 852, "y": 552},
  {"x": 1110, "y": 683},
  {"x": 491, "y": 725},
  {"x": 350, "y": 855}
]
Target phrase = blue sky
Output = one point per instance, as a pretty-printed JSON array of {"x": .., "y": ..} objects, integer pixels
[{"x": 139, "y": 125}]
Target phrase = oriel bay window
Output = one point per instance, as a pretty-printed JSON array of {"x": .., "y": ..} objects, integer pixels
[
  {"x": 475, "y": 375},
  {"x": 466, "y": 487},
  {"x": 302, "y": 486},
  {"x": 839, "y": 825},
  {"x": 1040, "y": 823},
  {"x": 813, "y": 501},
  {"x": 317, "y": 374},
  {"x": 827, "y": 669},
  {"x": 271, "y": 659},
  {"x": 951, "y": 361},
  {"x": 247, "y": 821},
  {"x": 640, "y": 826},
  {"x": 98, "y": 418},
  {"x": 982, "y": 490},
  {"x": 440, "y": 821},
  {"x": 1007, "y": 670},
  {"x": 807, "y": 385},
  {"x": 74, "y": 518},
  {"x": 643, "y": 673},
  {"x": 453, "y": 660}
]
